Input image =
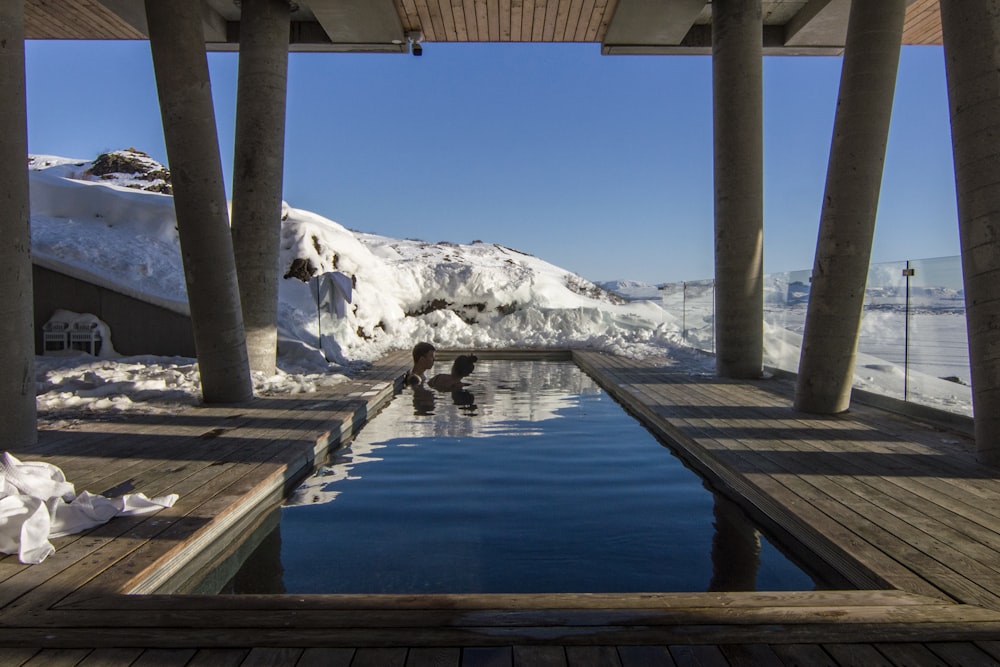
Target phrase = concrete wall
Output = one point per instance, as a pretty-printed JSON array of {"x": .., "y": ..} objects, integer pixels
[{"x": 137, "y": 327}]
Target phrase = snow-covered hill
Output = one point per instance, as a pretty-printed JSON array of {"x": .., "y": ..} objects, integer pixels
[{"x": 117, "y": 229}]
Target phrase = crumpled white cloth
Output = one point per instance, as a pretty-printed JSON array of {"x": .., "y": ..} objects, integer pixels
[{"x": 37, "y": 503}]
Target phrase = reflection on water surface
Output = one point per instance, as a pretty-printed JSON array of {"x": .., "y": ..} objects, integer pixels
[{"x": 531, "y": 479}]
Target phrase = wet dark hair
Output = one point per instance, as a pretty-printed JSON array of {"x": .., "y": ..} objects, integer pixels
[
  {"x": 420, "y": 349},
  {"x": 464, "y": 365}
]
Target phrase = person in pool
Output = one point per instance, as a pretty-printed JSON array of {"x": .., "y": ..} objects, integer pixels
[
  {"x": 461, "y": 368},
  {"x": 423, "y": 360}
]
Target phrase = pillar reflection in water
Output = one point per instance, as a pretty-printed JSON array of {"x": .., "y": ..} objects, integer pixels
[{"x": 735, "y": 549}]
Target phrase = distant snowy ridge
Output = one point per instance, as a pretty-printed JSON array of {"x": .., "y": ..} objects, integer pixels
[{"x": 625, "y": 286}]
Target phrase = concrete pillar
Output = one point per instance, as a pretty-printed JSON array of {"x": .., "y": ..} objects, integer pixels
[
  {"x": 177, "y": 43},
  {"x": 971, "y": 31},
  {"x": 737, "y": 93},
  {"x": 257, "y": 171},
  {"x": 850, "y": 202},
  {"x": 17, "y": 331}
]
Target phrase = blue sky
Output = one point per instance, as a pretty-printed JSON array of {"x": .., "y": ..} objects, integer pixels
[{"x": 599, "y": 164}]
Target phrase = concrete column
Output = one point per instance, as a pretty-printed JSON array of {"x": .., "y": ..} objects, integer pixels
[
  {"x": 850, "y": 202},
  {"x": 737, "y": 93},
  {"x": 971, "y": 31},
  {"x": 17, "y": 331},
  {"x": 177, "y": 43},
  {"x": 258, "y": 170}
]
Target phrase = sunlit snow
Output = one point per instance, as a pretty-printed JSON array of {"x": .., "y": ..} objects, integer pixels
[{"x": 480, "y": 295}]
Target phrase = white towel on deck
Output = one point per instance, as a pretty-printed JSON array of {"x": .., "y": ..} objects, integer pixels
[{"x": 37, "y": 503}]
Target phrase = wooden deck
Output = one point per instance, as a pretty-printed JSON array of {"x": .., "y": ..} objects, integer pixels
[{"x": 897, "y": 508}]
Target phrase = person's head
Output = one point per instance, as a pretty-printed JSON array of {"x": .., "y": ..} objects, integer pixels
[
  {"x": 463, "y": 365},
  {"x": 423, "y": 356}
]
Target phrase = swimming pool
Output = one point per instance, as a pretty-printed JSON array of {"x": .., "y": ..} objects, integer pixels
[{"x": 532, "y": 480}]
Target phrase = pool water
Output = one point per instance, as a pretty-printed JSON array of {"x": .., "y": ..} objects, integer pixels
[{"x": 533, "y": 480}]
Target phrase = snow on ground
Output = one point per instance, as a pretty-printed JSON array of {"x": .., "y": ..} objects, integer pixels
[
  {"x": 110, "y": 221},
  {"x": 105, "y": 228}
]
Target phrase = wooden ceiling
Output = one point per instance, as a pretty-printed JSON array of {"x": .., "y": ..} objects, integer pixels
[{"x": 791, "y": 27}]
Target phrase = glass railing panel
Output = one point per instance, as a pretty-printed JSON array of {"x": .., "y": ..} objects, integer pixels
[
  {"x": 879, "y": 366},
  {"x": 672, "y": 301},
  {"x": 786, "y": 296},
  {"x": 912, "y": 344},
  {"x": 698, "y": 324},
  {"x": 937, "y": 360}
]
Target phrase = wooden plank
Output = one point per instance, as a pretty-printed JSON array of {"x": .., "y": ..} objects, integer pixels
[
  {"x": 197, "y": 483},
  {"x": 538, "y": 20},
  {"x": 607, "y": 12},
  {"x": 432, "y": 657},
  {"x": 379, "y": 657},
  {"x": 17, "y": 656},
  {"x": 57, "y": 657},
  {"x": 446, "y": 11},
  {"x": 826, "y": 626},
  {"x": 834, "y": 620},
  {"x": 222, "y": 657},
  {"x": 908, "y": 654},
  {"x": 920, "y": 514},
  {"x": 223, "y": 605},
  {"x": 527, "y": 21},
  {"x": 561, "y": 20},
  {"x": 516, "y": 16},
  {"x": 539, "y": 656},
  {"x": 112, "y": 657},
  {"x": 197, "y": 488},
  {"x": 583, "y": 23},
  {"x": 751, "y": 655},
  {"x": 272, "y": 657},
  {"x": 803, "y": 654},
  {"x": 643, "y": 656},
  {"x": 857, "y": 654},
  {"x": 572, "y": 20},
  {"x": 551, "y": 18},
  {"x": 487, "y": 656},
  {"x": 702, "y": 656},
  {"x": 409, "y": 15},
  {"x": 922, "y": 24},
  {"x": 504, "y": 19},
  {"x": 961, "y": 653},
  {"x": 493, "y": 20},
  {"x": 933, "y": 530},
  {"x": 58, "y": 572},
  {"x": 469, "y": 19},
  {"x": 326, "y": 657},
  {"x": 992, "y": 648},
  {"x": 592, "y": 656},
  {"x": 592, "y": 30},
  {"x": 938, "y": 539},
  {"x": 284, "y": 467},
  {"x": 426, "y": 23},
  {"x": 868, "y": 522},
  {"x": 483, "y": 21}
]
